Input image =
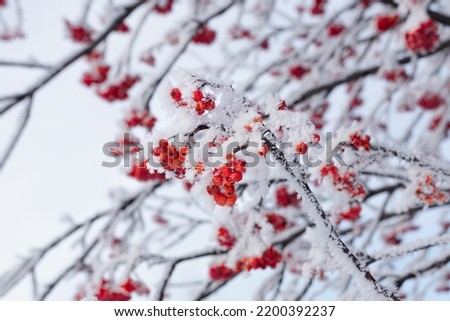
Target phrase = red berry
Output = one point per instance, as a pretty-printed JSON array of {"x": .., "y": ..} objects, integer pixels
[
  {"x": 231, "y": 201},
  {"x": 220, "y": 199},
  {"x": 302, "y": 148},
  {"x": 197, "y": 95},
  {"x": 236, "y": 176}
]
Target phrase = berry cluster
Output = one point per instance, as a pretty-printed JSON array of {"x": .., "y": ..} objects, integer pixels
[
  {"x": 298, "y": 71},
  {"x": 163, "y": 6},
  {"x": 425, "y": 37},
  {"x": 335, "y": 29},
  {"x": 97, "y": 76},
  {"x": 278, "y": 222},
  {"x": 285, "y": 199},
  {"x": 386, "y": 22},
  {"x": 204, "y": 36},
  {"x": 79, "y": 33},
  {"x": 171, "y": 157},
  {"x": 105, "y": 291},
  {"x": 2, "y": 3},
  {"x": 345, "y": 182},
  {"x": 118, "y": 91},
  {"x": 318, "y": 7},
  {"x": 140, "y": 172},
  {"x": 225, "y": 238},
  {"x": 352, "y": 214},
  {"x": 359, "y": 140},
  {"x": 140, "y": 118},
  {"x": 202, "y": 103},
  {"x": 270, "y": 258},
  {"x": 221, "y": 272},
  {"x": 428, "y": 192},
  {"x": 222, "y": 186},
  {"x": 430, "y": 101}
]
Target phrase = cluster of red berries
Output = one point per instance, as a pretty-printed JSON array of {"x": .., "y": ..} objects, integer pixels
[
  {"x": 204, "y": 36},
  {"x": 224, "y": 178},
  {"x": 140, "y": 118},
  {"x": 430, "y": 101},
  {"x": 2, "y": 3},
  {"x": 359, "y": 140},
  {"x": 225, "y": 238},
  {"x": 278, "y": 221},
  {"x": 318, "y": 7},
  {"x": 352, "y": 214},
  {"x": 270, "y": 258},
  {"x": 425, "y": 37},
  {"x": 346, "y": 182},
  {"x": 393, "y": 237},
  {"x": 79, "y": 33},
  {"x": 396, "y": 75},
  {"x": 202, "y": 103},
  {"x": 123, "y": 293},
  {"x": 118, "y": 91},
  {"x": 97, "y": 76},
  {"x": 171, "y": 158},
  {"x": 285, "y": 199},
  {"x": 335, "y": 29},
  {"x": 140, "y": 172},
  {"x": 221, "y": 272},
  {"x": 163, "y": 6},
  {"x": 298, "y": 71},
  {"x": 386, "y": 22},
  {"x": 428, "y": 192}
]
